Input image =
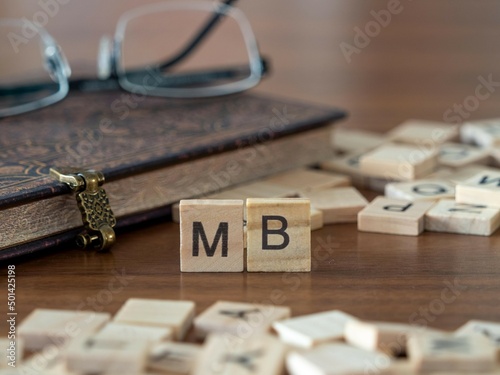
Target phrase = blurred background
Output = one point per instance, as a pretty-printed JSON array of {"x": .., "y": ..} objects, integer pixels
[{"x": 421, "y": 59}]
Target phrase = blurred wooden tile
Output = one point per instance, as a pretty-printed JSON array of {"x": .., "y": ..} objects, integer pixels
[
  {"x": 45, "y": 327},
  {"x": 466, "y": 173},
  {"x": 481, "y": 189},
  {"x": 445, "y": 352},
  {"x": 451, "y": 217},
  {"x": 91, "y": 355},
  {"x": 211, "y": 235},
  {"x": 12, "y": 352},
  {"x": 316, "y": 219},
  {"x": 278, "y": 235},
  {"x": 491, "y": 330},
  {"x": 338, "y": 359},
  {"x": 347, "y": 164},
  {"x": 314, "y": 329},
  {"x": 390, "y": 338},
  {"x": 429, "y": 134},
  {"x": 237, "y": 319},
  {"x": 173, "y": 358},
  {"x": 349, "y": 140},
  {"x": 484, "y": 133},
  {"x": 177, "y": 315},
  {"x": 458, "y": 155},
  {"x": 339, "y": 205},
  {"x": 264, "y": 355},
  {"x": 398, "y": 162},
  {"x": 303, "y": 180},
  {"x": 131, "y": 332},
  {"x": 394, "y": 216},
  {"x": 176, "y": 216},
  {"x": 431, "y": 190}
]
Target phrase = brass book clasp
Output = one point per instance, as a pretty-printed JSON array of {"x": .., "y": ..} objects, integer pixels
[{"x": 97, "y": 216}]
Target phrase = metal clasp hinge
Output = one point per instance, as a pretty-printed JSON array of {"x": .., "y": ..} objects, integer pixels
[{"x": 97, "y": 216}]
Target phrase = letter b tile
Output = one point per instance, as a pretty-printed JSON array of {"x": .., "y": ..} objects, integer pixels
[
  {"x": 278, "y": 235},
  {"x": 211, "y": 235}
]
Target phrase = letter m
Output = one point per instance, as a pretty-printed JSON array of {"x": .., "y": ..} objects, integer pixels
[{"x": 199, "y": 232}]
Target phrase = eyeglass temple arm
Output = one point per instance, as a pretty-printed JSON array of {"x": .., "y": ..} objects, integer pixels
[{"x": 204, "y": 31}]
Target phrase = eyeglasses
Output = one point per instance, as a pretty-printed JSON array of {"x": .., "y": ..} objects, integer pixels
[{"x": 160, "y": 50}]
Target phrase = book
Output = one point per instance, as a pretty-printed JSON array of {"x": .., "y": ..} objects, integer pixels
[{"x": 152, "y": 151}]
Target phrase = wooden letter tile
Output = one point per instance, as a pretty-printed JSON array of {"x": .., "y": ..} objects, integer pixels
[
  {"x": 338, "y": 359},
  {"x": 177, "y": 315},
  {"x": 131, "y": 332},
  {"x": 211, "y": 235},
  {"x": 490, "y": 330},
  {"x": 482, "y": 189},
  {"x": 347, "y": 164},
  {"x": 310, "y": 330},
  {"x": 425, "y": 133},
  {"x": 56, "y": 327},
  {"x": 390, "y": 338},
  {"x": 303, "y": 180},
  {"x": 457, "y": 155},
  {"x": 278, "y": 235},
  {"x": 399, "y": 162},
  {"x": 316, "y": 219},
  {"x": 241, "y": 320},
  {"x": 484, "y": 133},
  {"x": 451, "y": 217},
  {"x": 348, "y": 140},
  {"x": 264, "y": 355},
  {"x": 173, "y": 358},
  {"x": 394, "y": 216},
  {"x": 339, "y": 205},
  {"x": 470, "y": 354},
  {"x": 432, "y": 190},
  {"x": 92, "y": 355}
]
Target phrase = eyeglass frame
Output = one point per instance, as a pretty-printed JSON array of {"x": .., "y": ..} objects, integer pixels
[{"x": 110, "y": 70}]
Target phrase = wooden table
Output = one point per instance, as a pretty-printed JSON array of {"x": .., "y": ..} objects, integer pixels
[{"x": 429, "y": 56}]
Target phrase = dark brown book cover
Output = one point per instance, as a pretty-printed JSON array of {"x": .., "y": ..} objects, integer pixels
[{"x": 124, "y": 135}]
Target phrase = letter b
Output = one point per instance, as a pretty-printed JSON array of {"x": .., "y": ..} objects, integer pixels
[{"x": 280, "y": 232}]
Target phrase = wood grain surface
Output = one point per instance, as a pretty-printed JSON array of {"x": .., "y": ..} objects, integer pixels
[{"x": 430, "y": 56}]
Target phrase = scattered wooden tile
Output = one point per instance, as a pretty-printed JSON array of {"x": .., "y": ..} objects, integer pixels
[
  {"x": 45, "y": 327},
  {"x": 390, "y": 338},
  {"x": 131, "y": 332},
  {"x": 445, "y": 352},
  {"x": 316, "y": 219},
  {"x": 339, "y": 205},
  {"x": 347, "y": 164},
  {"x": 481, "y": 189},
  {"x": 431, "y": 190},
  {"x": 278, "y": 235},
  {"x": 242, "y": 320},
  {"x": 211, "y": 235},
  {"x": 303, "y": 180},
  {"x": 91, "y": 355},
  {"x": 458, "y": 155},
  {"x": 466, "y": 173},
  {"x": 177, "y": 315},
  {"x": 484, "y": 133},
  {"x": 425, "y": 133},
  {"x": 394, "y": 216},
  {"x": 173, "y": 358},
  {"x": 491, "y": 330},
  {"x": 338, "y": 359},
  {"x": 348, "y": 140},
  {"x": 311, "y": 330},
  {"x": 399, "y": 162},
  {"x": 263, "y": 355},
  {"x": 449, "y": 216}
]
